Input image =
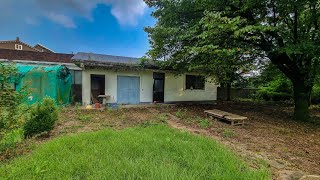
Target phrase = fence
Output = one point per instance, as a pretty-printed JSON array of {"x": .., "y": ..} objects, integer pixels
[{"x": 236, "y": 93}]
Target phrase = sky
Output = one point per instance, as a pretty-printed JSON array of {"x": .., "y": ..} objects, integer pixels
[{"x": 112, "y": 27}]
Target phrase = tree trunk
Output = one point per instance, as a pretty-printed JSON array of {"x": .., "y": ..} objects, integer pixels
[
  {"x": 228, "y": 91},
  {"x": 302, "y": 93}
]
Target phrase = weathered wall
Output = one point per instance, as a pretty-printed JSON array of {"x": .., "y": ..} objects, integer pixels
[
  {"x": 146, "y": 84},
  {"x": 175, "y": 90},
  {"x": 174, "y": 87}
]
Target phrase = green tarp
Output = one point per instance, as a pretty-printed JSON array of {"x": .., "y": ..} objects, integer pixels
[{"x": 45, "y": 81}]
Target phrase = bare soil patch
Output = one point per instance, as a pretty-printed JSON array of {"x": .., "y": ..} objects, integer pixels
[{"x": 269, "y": 132}]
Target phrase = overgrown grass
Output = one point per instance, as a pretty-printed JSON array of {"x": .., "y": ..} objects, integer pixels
[{"x": 154, "y": 152}]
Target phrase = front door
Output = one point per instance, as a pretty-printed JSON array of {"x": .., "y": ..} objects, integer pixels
[
  {"x": 97, "y": 87},
  {"x": 158, "y": 87},
  {"x": 128, "y": 90}
]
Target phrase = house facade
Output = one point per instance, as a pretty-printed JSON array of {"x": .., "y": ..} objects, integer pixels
[
  {"x": 18, "y": 45},
  {"x": 120, "y": 80},
  {"x": 123, "y": 80}
]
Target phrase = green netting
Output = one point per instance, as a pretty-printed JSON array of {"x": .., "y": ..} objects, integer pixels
[{"x": 45, "y": 81}]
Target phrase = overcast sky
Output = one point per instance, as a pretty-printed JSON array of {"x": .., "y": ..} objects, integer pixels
[{"x": 99, "y": 26}]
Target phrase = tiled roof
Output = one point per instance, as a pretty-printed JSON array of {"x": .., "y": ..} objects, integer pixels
[
  {"x": 105, "y": 58},
  {"x": 18, "y": 41},
  {"x": 42, "y": 46},
  {"x": 35, "y": 56}
]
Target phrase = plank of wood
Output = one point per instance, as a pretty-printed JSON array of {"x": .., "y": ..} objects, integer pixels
[{"x": 225, "y": 115}]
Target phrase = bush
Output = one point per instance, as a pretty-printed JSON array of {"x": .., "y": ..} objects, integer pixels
[
  {"x": 315, "y": 96},
  {"x": 12, "y": 112},
  {"x": 42, "y": 118},
  {"x": 277, "y": 90}
]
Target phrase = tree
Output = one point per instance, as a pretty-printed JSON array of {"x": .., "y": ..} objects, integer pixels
[
  {"x": 184, "y": 40},
  {"x": 213, "y": 32}
]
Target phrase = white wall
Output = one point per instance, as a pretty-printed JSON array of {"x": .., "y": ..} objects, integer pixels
[
  {"x": 146, "y": 84},
  {"x": 175, "y": 90},
  {"x": 174, "y": 87}
]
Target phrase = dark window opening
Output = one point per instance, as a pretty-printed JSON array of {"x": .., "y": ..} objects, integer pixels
[
  {"x": 195, "y": 82},
  {"x": 76, "y": 86}
]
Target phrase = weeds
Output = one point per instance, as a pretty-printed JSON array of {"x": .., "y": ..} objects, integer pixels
[
  {"x": 84, "y": 118},
  {"x": 228, "y": 133},
  {"x": 203, "y": 123},
  {"x": 181, "y": 113},
  {"x": 163, "y": 118}
]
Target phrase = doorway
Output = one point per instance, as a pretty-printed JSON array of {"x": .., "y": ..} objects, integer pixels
[
  {"x": 97, "y": 87},
  {"x": 128, "y": 90},
  {"x": 158, "y": 87}
]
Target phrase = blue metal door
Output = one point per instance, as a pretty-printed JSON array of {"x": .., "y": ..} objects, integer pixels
[{"x": 128, "y": 90}]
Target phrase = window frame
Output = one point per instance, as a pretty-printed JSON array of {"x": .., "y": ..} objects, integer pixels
[
  {"x": 18, "y": 47},
  {"x": 197, "y": 76}
]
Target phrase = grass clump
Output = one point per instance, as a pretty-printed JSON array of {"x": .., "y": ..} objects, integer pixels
[
  {"x": 154, "y": 152},
  {"x": 228, "y": 133},
  {"x": 84, "y": 118},
  {"x": 181, "y": 113},
  {"x": 203, "y": 122}
]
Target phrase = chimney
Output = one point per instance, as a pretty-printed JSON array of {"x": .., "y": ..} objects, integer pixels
[{"x": 17, "y": 39}]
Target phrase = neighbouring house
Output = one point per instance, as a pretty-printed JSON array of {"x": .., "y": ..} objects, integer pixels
[
  {"x": 124, "y": 80},
  {"x": 41, "y": 69},
  {"x": 17, "y": 44}
]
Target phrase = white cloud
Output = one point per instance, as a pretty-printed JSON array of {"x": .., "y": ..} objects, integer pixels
[
  {"x": 125, "y": 11},
  {"x": 63, "y": 12},
  {"x": 62, "y": 20}
]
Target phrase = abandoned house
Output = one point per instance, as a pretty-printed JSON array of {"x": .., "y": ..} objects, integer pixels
[
  {"x": 111, "y": 79},
  {"x": 123, "y": 80}
]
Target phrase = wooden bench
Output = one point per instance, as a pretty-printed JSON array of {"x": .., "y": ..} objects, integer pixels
[{"x": 232, "y": 118}]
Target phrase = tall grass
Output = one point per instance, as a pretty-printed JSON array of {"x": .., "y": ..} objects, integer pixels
[{"x": 154, "y": 152}]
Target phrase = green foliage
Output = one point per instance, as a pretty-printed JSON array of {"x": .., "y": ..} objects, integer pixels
[
  {"x": 315, "y": 95},
  {"x": 10, "y": 139},
  {"x": 279, "y": 89},
  {"x": 181, "y": 113},
  {"x": 43, "y": 116},
  {"x": 225, "y": 38},
  {"x": 85, "y": 118},
  {"x": 12, "y": 112},
  {"x": 228, "y": 133},
  {"x": 163, "y": 118},
  {"x": 204, "y": 123},
  {"x": 153, "y": 152}
]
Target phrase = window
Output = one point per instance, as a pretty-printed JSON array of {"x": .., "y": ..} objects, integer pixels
[
  {"x": 195, "y": 82},
  {"x": 76, "y": 77},
  {"x": 18, "y": 47}
]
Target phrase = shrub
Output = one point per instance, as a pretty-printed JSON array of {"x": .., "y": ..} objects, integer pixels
[
  {"x": 277, "y": 90},
  {"x": 315, "y": 96},
  {"x": 12, "y": 111},
  {"x": 42, "y": 118}
]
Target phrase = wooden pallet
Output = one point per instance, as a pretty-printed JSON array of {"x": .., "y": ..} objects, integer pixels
[{"x": 232, "y": 118}]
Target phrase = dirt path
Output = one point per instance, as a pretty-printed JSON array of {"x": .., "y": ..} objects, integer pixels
[{"x": 281, "y": 169}]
